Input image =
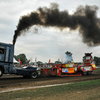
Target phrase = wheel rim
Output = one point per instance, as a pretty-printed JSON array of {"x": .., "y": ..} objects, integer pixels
[{"x": 34, "y": 75}]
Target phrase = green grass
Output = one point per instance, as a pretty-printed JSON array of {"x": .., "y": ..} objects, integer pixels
[{"x": 49, "y": 91}]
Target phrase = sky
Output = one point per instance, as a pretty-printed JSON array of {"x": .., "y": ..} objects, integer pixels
[{"x": 47, "y": 43}]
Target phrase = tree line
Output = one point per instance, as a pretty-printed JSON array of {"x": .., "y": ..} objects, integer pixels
[
  {"x": 24, "y": 60},
  {"x": 97, "y": 60}
]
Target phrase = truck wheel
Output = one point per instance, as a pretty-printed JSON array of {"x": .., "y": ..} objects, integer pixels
[
  {"x": 84, "y": 73},
  {"x": 1, "y": 72},
  {"x": 34, "y": 75}
]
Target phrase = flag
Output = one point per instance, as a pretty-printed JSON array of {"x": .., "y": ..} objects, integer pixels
[
  {"x": 20, "y": 62},
  {"x": 49, "y": 61},
  {"x": 35, "y": 61}
]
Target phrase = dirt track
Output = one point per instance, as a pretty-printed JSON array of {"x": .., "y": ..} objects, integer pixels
[{"x": 14, "y": 81}]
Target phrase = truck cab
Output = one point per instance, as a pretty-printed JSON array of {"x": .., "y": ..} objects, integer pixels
[{"x": 6, "y": 58}]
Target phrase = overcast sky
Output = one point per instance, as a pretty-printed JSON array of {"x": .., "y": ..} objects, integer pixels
[{"x": 47, "y": 43}]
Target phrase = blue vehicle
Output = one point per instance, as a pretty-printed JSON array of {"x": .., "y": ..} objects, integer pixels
[{"x": 6, "y": 63}]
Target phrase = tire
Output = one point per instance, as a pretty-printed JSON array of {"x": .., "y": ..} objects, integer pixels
[
  {"x": 33, "y": 75},
  {"x": 88, "y": 73},
  {"x": 84, "y": 73},
  {"x": 1, "y": 72}
]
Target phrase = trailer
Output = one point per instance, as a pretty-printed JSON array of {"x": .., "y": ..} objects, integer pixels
[{"x": 64, "y": 69}]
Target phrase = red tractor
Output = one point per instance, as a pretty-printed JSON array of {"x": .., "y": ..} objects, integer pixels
[
  {"x": 88, "y": 66},
  {"x": 71, "y": 69}
]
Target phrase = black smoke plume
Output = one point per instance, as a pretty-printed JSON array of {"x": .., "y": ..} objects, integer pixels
[{"x": 84, "y": 18}]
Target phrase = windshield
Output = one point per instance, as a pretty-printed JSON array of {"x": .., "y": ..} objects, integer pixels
[
  {"x": 1, "y": 50},
  {"x": 88, "y": 58}
]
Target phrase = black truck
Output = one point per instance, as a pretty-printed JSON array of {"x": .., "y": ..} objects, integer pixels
[{"x": 6, "y": 63}]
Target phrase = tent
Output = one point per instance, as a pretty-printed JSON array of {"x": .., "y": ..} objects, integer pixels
[{"x": 15, "y": 61}]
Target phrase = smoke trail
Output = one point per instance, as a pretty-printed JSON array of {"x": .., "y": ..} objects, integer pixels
[
  {"x": 25, "y": 23},
  {"x": 84, "y": 18}
]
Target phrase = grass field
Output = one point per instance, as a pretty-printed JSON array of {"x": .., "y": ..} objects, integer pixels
[{"x": 88, "y": 90}]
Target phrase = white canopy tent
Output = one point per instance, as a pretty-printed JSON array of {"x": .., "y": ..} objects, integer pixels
[{"x": 15, "y": 61}]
